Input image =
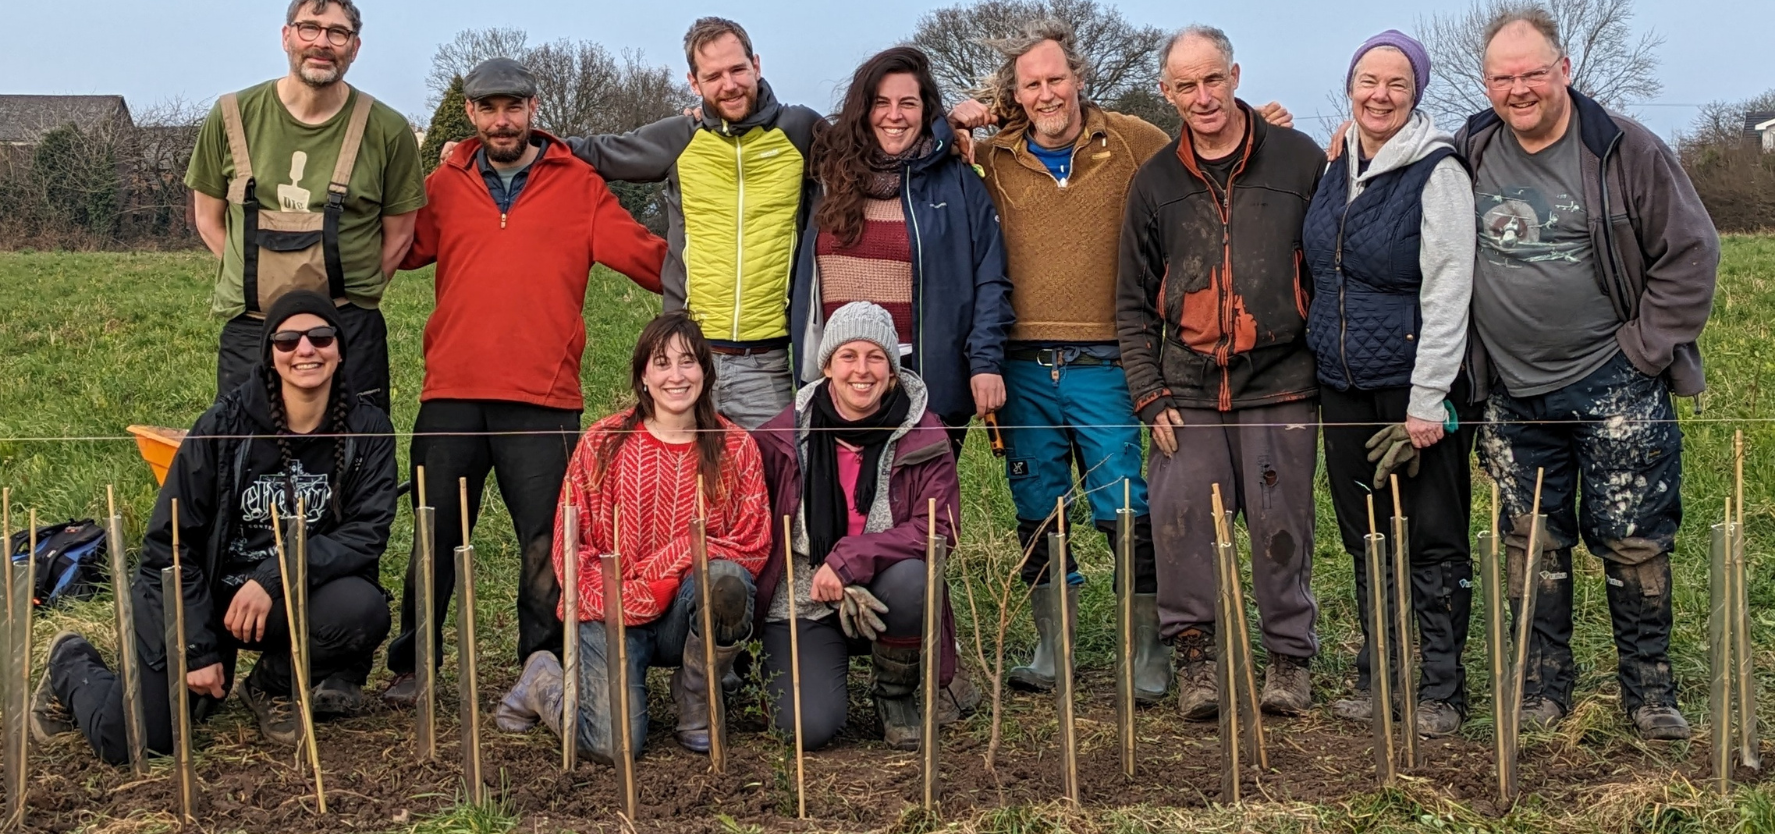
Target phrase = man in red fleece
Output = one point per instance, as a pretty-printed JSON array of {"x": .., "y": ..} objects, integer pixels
[{"x": 514, "y": 222}]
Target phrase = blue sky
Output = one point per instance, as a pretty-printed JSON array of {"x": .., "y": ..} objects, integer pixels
[{"x": 1290, "y": 50}]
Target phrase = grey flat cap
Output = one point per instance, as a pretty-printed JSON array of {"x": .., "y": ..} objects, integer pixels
[{"x": 498, "y": 77}]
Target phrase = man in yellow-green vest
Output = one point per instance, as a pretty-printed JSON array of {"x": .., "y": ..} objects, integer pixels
[{"x": 736, "y": 201}]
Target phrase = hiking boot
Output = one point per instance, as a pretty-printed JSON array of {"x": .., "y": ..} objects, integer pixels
[
  {"x": 957, "y": 700},
  {"x": 278, "y": 721},
  {"x": 48, "y": 717},
  {"x": 1542, "y": 713},
  {"x": 535, "y": 697},
  {"x": 1438, "y": 719},
  {"x": 896, "y": 691},
  {"x": 403, "y": 691},
  {"x": 1198, "y": 681},
  {"x": 1287, "y": 686},
  {"x": 1038, "y": 674},
  {"x": 336, "y": 697},
  {"x": 1357, "y": 707},
  {"x": 689, "y": 689},
  {"x": 1152, "y": 664},
  {"x": 1659, "y": 722}
]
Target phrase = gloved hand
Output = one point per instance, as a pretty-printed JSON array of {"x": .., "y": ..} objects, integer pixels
[
  {"x": 1392, "y": 448},
  {"x": 859, "y": 614}
]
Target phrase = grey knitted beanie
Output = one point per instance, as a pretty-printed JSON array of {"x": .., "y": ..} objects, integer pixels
[{"x": 865, "y": 321}]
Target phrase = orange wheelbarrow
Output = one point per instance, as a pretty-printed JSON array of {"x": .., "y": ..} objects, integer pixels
[{"x": 158, "y": 445}]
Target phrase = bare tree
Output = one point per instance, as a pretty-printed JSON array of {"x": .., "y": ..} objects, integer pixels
[
  {"x": 573, "y": 81},
  {"x": 1120, "y": 53},
  {"x": 468, "y": 48},
  {"x": 1610, "y": 62},
  {"x": 1733, "y": 175}
]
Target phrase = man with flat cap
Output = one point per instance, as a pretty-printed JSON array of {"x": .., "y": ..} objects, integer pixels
[{"x": 514, "y": 223}]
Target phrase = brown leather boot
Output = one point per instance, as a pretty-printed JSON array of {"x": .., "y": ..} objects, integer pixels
[{"x": 1198, "y": 683}]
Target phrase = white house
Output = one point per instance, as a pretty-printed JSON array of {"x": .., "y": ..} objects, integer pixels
[{"x": 1761, "y": 126}]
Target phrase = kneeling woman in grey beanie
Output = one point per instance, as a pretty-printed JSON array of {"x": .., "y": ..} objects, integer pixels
[{"x": 854, "y": 464}]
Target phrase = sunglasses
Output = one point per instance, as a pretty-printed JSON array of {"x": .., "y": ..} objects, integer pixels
[{"x": 320, "y": 337}]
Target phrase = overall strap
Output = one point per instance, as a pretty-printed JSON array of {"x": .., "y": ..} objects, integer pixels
[
  {"x": 241, "y": 185},
  {"x": 336, "y": 190}
]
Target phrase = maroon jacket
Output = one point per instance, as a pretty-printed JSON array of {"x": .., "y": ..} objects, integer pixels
[{"x": 921, "y": 468}]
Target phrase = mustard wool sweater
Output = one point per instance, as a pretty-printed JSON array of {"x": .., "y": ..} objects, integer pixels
[{"x": 1062, "y": 242}]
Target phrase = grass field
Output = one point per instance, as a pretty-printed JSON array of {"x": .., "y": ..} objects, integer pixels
[{"x": 92, "y": 343}]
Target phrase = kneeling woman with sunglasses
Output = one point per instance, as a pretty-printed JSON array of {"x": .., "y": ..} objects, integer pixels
[
  {"x": 287, "y": 432},
  {"x": 646, "y": 464},
  {"x": 855, "y": 462}
]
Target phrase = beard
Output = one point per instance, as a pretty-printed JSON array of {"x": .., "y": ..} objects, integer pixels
[
  {"x": 502, "y": 155},
  {"x": 712, "y": 108},
  {"x": 319, "y": 78},
  {"x": 1052, "y": 126}
]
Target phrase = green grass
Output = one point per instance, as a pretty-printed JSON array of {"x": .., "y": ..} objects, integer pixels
[{"x": 92, "y": 343}]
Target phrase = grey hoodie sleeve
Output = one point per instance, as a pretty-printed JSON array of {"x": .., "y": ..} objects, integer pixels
[
  {"x": 645, "y": 154},
  {"x": 1446, "y": 259}
]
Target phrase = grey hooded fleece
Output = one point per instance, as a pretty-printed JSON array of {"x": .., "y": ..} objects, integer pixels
[{"x": 1446, "y": 256}]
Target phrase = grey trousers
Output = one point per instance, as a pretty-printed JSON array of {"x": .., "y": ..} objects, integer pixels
[
  {"x": 1264, "y": 460},
  {"x": 750, "y": 390}
]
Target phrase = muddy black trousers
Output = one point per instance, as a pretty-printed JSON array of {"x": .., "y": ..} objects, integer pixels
[
  {"x": 526, "y": 447},
  {"x": 1611, "y": 451},
  {"x": 347, "y": 620},
  {"x": 1438, "y": 503}
]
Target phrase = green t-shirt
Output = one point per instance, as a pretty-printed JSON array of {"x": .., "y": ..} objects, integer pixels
[{"x": 299, "y": 159}]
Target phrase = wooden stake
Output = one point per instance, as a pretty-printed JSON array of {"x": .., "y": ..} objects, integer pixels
[
  {"x": 172, "y": 590},
  {"x": 1525, "y": 615},
  {"x": 699, "y": 556},
  {"x": 1125, "y": 629},
  {"x": 123, "y": 608},
  {"x": 1749, "y": 747},
  {"x": 1253, "y": 718},
  {"x": 18, "y": 686},
  {"x": 1719, "y": 653},
  {"x": 1405, "y": 631},
  {"x": 6, "y": 624},
  {"x": 795, "y": 671},
  {"x": 293, "y": 576},
  {"x": 467, "y": 666},
  {"x": 569, "y": 636},
  {"x": 425, "y": 631},
  {"x": 1380, "y": 675},
  {"x": 1232, "y": 766},
  {"x": 1063, "y": 660},
  {"x": 1496, "y": 648},
  {"x": 929, "y": 667}
]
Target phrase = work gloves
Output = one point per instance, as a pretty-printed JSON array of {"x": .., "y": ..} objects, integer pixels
[
  {"x": 1389, "y": 449},
  {"x": 859, "y": 614}
]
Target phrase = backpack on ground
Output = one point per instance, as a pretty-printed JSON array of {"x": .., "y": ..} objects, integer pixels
[{"x": 70, "y": 560}]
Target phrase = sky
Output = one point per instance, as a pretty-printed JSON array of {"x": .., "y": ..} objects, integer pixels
[{"x": 1293, "y": 51}]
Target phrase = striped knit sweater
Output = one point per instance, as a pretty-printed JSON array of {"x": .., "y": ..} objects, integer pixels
[
  {"x": 654, "y": 484},
  {"x": 877, "y": 269}
]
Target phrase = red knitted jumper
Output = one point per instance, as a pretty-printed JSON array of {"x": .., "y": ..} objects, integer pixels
[
  {"x": 877, "y": 269},
  {"x": 654, "y": 484}
]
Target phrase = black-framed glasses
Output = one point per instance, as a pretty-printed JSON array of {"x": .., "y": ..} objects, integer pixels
[
  {"x": 336, "y": 35},
  {"x": 320, "y": 337}
]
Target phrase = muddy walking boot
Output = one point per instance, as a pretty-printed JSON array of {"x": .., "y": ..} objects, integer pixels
[
  {"x": 535, "y": 697},
  {"x": 1198, "y": 683},
  {"x": 1358, "y": 707},
  {"x": 690, "y": 689},
  {"x": 1287, "y": 685},
  {"x": 1638, "y": 576},
  {"x": 277, "y": 716},
  {"x": 1660, "y": 722},
  {"x": 1438, "y": 719},
  {"x": 1038, "y": 674},
  {"x": 896, "y": 694},
  {"x": 1152, "y": 663},
  {"x": 956, "y": 701},
  {"x": 48, "y": 717}
]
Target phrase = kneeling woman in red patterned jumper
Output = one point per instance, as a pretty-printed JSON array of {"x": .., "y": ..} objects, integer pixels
[
  {"x": 644, "y": 464},
  {"x": 854, "y": 464}
]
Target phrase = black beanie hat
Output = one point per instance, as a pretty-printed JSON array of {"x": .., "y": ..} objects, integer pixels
[{"x": 295, "y": 303}]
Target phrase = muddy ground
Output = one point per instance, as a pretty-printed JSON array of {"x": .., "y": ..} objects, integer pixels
[{"x": 374, "y": 783}]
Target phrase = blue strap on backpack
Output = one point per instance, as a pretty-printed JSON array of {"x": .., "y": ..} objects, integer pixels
[{"x": 70, "y": 560}]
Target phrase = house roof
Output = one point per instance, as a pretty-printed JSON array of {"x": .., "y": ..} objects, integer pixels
[
  {"x": 24, "y": 119},
  {"x": 1759, "y": 121}
]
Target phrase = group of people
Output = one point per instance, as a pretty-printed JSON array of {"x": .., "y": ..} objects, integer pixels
[{"x": 844, "y": 294}]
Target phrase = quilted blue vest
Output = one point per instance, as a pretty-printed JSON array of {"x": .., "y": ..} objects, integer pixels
[{"x": 1363, "y": 325}]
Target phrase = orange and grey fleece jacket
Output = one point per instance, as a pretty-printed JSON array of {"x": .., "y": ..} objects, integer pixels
[
  {"x": 509, "y": 323},
  {"x": 652, "y": 485},
  {"x": 1212, "y": 296}
]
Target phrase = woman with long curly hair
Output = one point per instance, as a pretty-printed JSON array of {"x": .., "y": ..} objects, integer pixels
[
  {"x": 288, "y": 438},
  {"x": 904, "y": 222},
  {"x": 646, "y": 465}
]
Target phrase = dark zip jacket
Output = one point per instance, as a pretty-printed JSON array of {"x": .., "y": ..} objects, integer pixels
[
  {"x": 212, "y": 469},
  {"x": 1212, "y": 292},
  {"x": 1657, "y": 252},
  {"x": 961, "y": 297}
]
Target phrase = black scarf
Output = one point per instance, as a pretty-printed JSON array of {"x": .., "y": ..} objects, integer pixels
[
  {"x": 825, "y": 516},
  {"x": 886, "y": 171}
]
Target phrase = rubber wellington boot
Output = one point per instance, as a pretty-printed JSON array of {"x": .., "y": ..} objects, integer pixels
[
  {"x": 1038, "y": 674},
  {"x": 1152, "y": 663},
  {"x": 535, "y": 697},
  {"x": 896, "y": 694},
  {"x": 690, "y": 692}
]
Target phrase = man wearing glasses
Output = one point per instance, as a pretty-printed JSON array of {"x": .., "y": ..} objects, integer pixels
[
  {"x": 305, "y": 183},
  {"x": 1595, "y": 274}
]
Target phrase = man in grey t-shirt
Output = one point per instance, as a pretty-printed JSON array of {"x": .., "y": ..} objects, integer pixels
[{"x": 1595, "y": 274}]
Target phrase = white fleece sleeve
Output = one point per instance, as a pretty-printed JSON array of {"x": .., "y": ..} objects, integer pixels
[{"x": 1446, "y": 259}]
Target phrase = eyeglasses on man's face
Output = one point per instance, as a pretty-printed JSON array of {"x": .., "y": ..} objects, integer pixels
[
  {"x": 310, "y": 32},
  {"x": 1533, "y": 79}
]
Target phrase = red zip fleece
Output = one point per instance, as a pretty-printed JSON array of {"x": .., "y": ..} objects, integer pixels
[{"x": 510, "y": 318}]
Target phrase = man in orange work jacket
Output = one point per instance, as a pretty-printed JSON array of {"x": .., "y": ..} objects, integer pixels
[{"x": 515, "y": 222}]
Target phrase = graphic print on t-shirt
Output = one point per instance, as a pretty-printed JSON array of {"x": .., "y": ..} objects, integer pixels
[
  {"x": 1521, "y": 226},
  {"x": 253, "y": 542}
]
